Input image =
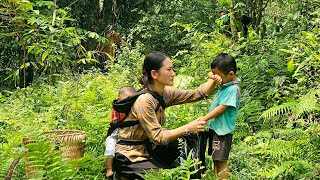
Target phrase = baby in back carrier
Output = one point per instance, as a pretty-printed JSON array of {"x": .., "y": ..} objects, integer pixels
[{"x": 111, "y": 140}]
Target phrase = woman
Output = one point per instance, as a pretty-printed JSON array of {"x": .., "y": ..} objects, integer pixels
[{"x": 158, "y": 76}]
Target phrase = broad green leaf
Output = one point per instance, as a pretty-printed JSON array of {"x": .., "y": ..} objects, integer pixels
[
  {"x": 83, "y": 60},
  {"x": 38, "y": 51},
  {"x": 90, "y": 60},
  {"x": 14, "y": 74},
  {"x": 52, "y": 29},
  {"x": 288, "y": 51},
  {"x": 25, "y": 65},
  {"x": 296, "y": 15},
  {"x": 270, "y": 71},
  {"x": 92, "y": 35},
  {"x": 31, "y": 48},
  {"x": 36, "y": 11},
  {"x": 44, "y": 55},
  {"x": 317, "y": 56},
  {"x": 290, "y": 66},
  {"x": 34, "y": 65}
]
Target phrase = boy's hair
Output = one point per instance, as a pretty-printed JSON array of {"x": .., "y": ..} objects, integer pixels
[
  {"x": 224, "y": 11},
  {"x": 126, "y": 89},
  {"x": 225, "y": 63}
]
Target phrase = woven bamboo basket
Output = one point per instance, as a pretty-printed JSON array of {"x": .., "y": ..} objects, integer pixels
[{"x": 71, "y": 142}]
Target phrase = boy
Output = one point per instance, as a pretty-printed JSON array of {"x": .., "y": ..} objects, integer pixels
[
  {"x": 223, "y": 112},
  {"x": 111, "y": 140}
]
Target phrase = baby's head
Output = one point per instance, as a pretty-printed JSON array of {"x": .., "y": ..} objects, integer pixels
[
  {"x": 126, "y": 92},
  {"x": 225, "y": 66}
]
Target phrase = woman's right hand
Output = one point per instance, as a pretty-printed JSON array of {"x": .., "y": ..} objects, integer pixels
[
  {"x": 197, "y": 125},
  {"x": 215, "y": 77}
]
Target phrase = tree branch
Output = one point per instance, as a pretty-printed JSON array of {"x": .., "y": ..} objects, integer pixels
[{"x": 266, "y": 5}]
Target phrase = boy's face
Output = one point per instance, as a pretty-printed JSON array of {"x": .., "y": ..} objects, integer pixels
[
  {"x": 221, "y": 14},
  {"x": 225, "y": 78}
]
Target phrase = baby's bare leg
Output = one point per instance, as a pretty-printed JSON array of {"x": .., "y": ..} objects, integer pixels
[{"x": 109, "y": 162}]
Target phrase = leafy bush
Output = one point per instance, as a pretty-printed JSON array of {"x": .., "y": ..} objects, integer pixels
[{"x": 82, "y": 103}]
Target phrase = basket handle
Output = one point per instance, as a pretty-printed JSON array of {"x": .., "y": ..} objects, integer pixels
[{"x": 11, "y": 168}]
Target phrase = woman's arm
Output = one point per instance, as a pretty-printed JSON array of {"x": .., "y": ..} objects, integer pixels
[
  {"x": 209, "y": 86},
  {"x": 144, "y": 111},
  {"x": 176, "y": 96}
]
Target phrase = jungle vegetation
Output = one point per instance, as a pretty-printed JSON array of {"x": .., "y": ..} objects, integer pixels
[{"x": 55, "y": 74}]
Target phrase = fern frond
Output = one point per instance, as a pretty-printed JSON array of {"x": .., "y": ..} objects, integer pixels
[
  {"x": 305, "y": 104},
  {"x": 278, "y": 149},
  {"x": 281, "y": 109},
  {"x": 101, "y": 2},
  {"x": 308, "y": 103},
  {"x": 289, "y": 169}
]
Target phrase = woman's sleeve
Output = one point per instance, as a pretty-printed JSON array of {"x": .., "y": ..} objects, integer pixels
[
  {"x": 177, "y": 96},
  {"x": 144, "y": 110}
]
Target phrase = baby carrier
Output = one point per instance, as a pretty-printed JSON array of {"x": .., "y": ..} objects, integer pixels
[{"x": 123, "y": 107}]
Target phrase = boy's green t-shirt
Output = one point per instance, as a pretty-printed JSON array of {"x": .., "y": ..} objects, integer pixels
[{"x": 228, "y": 95}]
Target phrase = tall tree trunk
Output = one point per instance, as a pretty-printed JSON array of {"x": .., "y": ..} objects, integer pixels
[
  {"x": 214, "y": 4},
  {"x": 248, "y": 7},
  {"x": 24, "y": 65},
  {"x": 22, "y": 72},
  {"x": 260, "y": 8},
  {"x": 233, "y": 20},
  {"x": 254, "y": 14}
]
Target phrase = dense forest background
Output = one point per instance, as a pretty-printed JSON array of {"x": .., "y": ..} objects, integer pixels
[{"x": 58, "y": 71}]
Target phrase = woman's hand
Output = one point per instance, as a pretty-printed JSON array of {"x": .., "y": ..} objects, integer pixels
[
  {"x": 215, "y": 77},
  {"x": 197, "y": 125}
]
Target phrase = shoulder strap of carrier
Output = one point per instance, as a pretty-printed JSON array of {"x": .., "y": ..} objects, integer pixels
[
  {"x": 156, "y": 95},
  {"x": 125, "y": 107}
]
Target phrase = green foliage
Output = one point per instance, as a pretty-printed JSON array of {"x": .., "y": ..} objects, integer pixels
[
  {"x": 306, "y": 104},
  {"x": 282, "y": 153},
  {"x": 277, "y": 134},
  {"x": 181, "y": 172},
  {"x": 205, "y": 47},
  {"x": 161, "y": 23},
  {"x": 43, "y": 161},
  {"x": 37, "y": 33},
  {"x": 128, "y": 68},
  {"x": 281, "y": 109},
  {"x": 249, "y": 117},
  {"x": 82, "y": 103}
]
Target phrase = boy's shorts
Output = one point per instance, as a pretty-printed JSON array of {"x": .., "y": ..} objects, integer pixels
[{"x": 221, "y": 146}]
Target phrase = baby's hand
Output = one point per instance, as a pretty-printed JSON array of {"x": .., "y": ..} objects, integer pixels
[{"x": 215, "y": 77}]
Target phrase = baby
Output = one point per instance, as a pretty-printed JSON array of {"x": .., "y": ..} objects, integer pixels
[{"x": 111, "y": 140}]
